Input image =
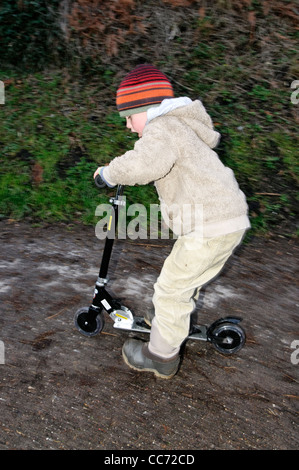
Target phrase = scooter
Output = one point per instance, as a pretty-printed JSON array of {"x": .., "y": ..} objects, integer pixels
[{"x": 226, "y": 335}]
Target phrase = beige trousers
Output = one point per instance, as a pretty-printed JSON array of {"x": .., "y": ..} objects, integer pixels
[{"x": 192, "y": 263}]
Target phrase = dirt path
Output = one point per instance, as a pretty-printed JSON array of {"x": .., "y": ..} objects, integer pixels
[{"x": 61, "y": 390}]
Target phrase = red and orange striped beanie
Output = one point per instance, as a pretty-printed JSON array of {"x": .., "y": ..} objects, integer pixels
[{"x": 141, "y": 89}]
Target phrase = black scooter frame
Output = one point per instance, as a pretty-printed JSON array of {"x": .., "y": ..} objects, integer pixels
[{"x": 225, "y": 334}]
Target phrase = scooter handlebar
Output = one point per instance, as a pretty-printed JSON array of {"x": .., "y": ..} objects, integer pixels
[{"x": 99, "y": 182}]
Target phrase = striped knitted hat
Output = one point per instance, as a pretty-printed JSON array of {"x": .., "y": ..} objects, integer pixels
[{"x": 141, "y": 89}]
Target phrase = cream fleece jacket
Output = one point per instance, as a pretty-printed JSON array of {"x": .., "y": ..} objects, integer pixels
[{"x": 176, "y": 152}]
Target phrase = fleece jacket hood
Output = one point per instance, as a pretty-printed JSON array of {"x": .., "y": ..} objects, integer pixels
[{"x": 194, "y": 115}]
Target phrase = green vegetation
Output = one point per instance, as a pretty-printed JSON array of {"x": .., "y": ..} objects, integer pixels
[
  {"x": 51, "y": 143},
  {"x": 59, "y": 122}
]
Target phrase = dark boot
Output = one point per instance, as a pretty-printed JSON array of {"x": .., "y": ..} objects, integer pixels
[{"x": 137, "y": 356}]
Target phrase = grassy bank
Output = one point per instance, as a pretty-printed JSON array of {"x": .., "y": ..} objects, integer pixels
[
  {"x": 55, "y": 132},
  {"x": 240, "y": 59},
  {"x": 52, "y": 140}
]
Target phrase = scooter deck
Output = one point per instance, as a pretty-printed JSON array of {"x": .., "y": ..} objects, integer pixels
[{"x": 198, "y": 332}]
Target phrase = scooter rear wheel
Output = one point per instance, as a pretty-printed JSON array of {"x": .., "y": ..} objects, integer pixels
[
  {"x": 227, "y": 337},
  {"x": 88, "y": 321}
]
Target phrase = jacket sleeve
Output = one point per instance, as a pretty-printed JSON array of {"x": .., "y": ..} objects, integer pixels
[{"x": 152, "y": 158}]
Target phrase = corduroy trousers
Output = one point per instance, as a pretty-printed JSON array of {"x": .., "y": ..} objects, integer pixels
[{"x": 192, "y": 263}]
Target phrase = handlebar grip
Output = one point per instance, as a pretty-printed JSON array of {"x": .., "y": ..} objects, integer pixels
[{"x": 99, "y": 182}]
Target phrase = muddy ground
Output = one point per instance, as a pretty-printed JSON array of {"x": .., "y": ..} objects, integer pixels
[{"x": 61, "y": 390}]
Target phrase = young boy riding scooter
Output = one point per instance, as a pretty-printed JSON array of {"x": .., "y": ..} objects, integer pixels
[{"x": 175, "y": 150}]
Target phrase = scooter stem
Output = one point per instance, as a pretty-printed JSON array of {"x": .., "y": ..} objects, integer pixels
[{"x": 111, "y": 231}]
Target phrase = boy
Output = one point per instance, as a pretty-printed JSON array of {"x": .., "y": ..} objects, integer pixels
[{"x": 175, "y": 151}]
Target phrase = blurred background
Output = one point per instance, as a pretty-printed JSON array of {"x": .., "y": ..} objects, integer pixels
[{"x": 62, "y": 61}]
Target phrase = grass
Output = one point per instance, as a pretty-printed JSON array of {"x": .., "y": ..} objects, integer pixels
[
  {"x": 58, "y": 125},
  {"x": 56, "y": 131}
]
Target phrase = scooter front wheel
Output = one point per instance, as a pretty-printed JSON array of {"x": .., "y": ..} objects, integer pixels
[
  {"x": 89, "y": 321},
  {"x": 227, "y": 337}
]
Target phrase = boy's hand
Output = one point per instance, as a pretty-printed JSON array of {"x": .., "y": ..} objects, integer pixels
[
  {"x": 101, "y": 180},
  {"x": 97, "y": 172}
]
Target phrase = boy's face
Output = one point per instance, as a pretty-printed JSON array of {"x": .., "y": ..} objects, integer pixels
[{"x": 137, "y": 122}]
